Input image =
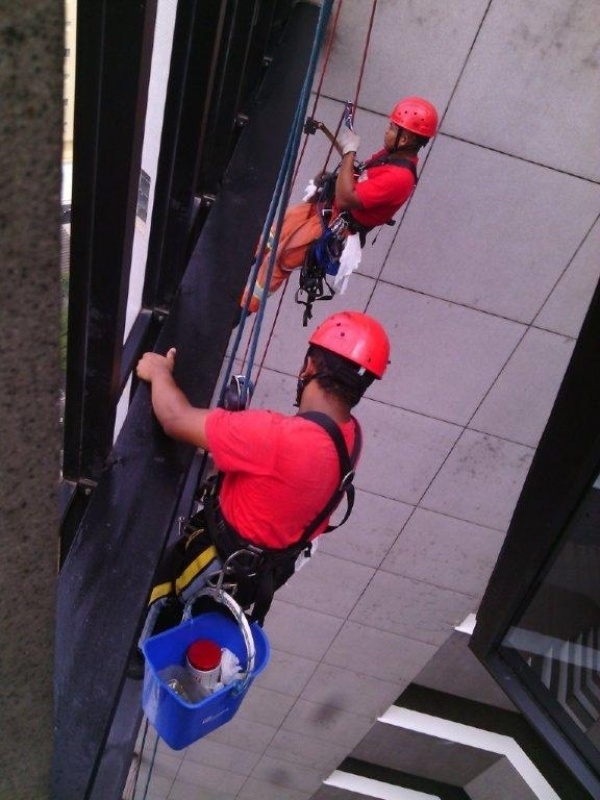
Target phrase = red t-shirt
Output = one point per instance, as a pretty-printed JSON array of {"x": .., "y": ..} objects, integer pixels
[
  {"x": 382, "y": 191},
  {"x": 279, "y": 472}
]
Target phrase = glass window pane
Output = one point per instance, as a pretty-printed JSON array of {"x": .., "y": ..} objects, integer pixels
[{"x": 558, "y": 635}]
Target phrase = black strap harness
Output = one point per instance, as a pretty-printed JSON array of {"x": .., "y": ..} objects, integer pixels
[
  {"x": 394, "y": 162},
  {"x": 347, "y": 465},
  {"x": 257, "y": 572},
  {"x": 322, "y": 257}
]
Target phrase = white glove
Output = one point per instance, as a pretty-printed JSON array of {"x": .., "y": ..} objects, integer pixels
[
  {"x": 310, "y": 191},
  {"x": 348, "y": 140}
]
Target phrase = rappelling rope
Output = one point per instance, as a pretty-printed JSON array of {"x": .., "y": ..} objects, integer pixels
[
  {"x": 361, "y": 71},
  {"x": 278, "y": 207},
  {"x": 321, "y": 79},
  {"x": 331, "y": 38},
  {"x": 130, "y": 788},
  {"x": 279, "y": 201},
  {"x": 360, "y": 76},
  {"x": 282, "y": 294},
  {"x": 150, "y": 768}
]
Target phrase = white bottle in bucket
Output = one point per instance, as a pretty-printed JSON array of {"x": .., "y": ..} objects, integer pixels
[{"x": 203, "y": 661}]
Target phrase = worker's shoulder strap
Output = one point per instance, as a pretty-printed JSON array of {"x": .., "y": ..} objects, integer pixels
[
  {"x": 347, "y": 463},
  {"x": 257, "y": 579},
  {"x": 357, "y": 227},
  {"x": 393, "y": 162}
]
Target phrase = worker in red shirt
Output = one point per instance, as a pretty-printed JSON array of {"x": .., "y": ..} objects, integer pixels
[
  {"x": 279, "y": 472},
  {"x": 371, "y": 198}
]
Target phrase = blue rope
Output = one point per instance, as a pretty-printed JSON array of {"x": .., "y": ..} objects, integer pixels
[
  {"x": 279, "y": 203},
  {"x": 150, "y": 767},
  {"x": 139, "y": 766}
]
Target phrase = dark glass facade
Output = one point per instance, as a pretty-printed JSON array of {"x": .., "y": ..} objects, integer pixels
[
  {"x": 538, "y": 625},
  {"x": 557, "y": 637}
]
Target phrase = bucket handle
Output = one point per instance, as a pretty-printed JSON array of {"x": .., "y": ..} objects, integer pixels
[{"x": 227, "y": 600}]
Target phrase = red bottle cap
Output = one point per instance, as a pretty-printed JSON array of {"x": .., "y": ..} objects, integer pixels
[{"x": 204, "y": 655}]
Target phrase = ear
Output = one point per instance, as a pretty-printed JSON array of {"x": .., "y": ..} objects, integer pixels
[
  {"x": 305, "y": 366},
  {"x": 408, "y": 139},
  {"x": 308, "y": 368}
]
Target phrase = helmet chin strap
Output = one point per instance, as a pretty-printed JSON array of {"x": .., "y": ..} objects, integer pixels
[
  {"x": 302, "y": 383},
  {"x": 409, "y": 146},
  {"x": 304, "y": 380},
  {"x": 300, "y": 387},
  {"x": 397, "y": 142}
]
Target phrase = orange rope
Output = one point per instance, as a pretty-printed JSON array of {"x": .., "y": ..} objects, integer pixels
[
  {"x": 271, "y": 332},
  {"x": 321, "y": 79},
  {"x": 313, "y": 112},
  {"x": 331, "y": 37},
  {"x": 249, "y": 339},
  {"x": 365, "y": 51},
  {"x": 360, "y": 75}
]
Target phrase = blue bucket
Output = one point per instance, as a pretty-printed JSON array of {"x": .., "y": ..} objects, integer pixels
[{"x": 178, "y": 722}]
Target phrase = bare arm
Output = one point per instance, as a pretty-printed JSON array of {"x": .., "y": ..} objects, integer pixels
[{"x": 178, "y": 417}]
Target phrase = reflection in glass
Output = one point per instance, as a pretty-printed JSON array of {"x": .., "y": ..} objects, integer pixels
[{"x": 558, "y": 635}]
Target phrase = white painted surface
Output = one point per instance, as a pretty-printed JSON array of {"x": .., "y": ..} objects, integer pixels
[{"x": 475, "y": 737}]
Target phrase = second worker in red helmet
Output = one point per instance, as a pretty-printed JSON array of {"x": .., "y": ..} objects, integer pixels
[
  {"x": 279, "y": 472},
  {"x": 372, "y": 198}
]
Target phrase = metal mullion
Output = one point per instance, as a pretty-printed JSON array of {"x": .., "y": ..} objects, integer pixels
[
  {"x": 105, "y": 580},
  {"x": 567, "y": 460},
  {"x": 195, "y": 40},
  {"x": 220, "y": 137},
  {"x": 566, "y": 463},
  {"x": 88, "y": 78},
  {"x": 142, "y": 336},
  {"x": 259, "y": 55},
  {"x": 114, "y": 46},
  {"x": 546, "y": 716}
]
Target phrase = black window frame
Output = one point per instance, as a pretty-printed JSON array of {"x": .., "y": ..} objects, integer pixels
[{"x": 564, "y": 468}]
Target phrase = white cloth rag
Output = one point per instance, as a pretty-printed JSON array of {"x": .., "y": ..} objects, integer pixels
[
  {"x": 309, "y": 191},
  {"x": 303, "y": 559},
  {"x": 230, "y": 666},
  {"x": 349, "y": 261}
]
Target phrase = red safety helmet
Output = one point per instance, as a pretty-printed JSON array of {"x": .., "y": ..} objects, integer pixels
[
  {"x": 357, "y": 337},
  {"x": 417, "y": 115}
]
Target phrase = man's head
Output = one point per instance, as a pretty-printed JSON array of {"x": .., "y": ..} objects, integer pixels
[
  {"x": 413, "y": 122},
  {"x": 348, "y": 351}
]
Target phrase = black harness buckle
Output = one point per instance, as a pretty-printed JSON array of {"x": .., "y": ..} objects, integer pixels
[
  {"x": 312, "y": 283},
  {"x": 347, "y": 480}
]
